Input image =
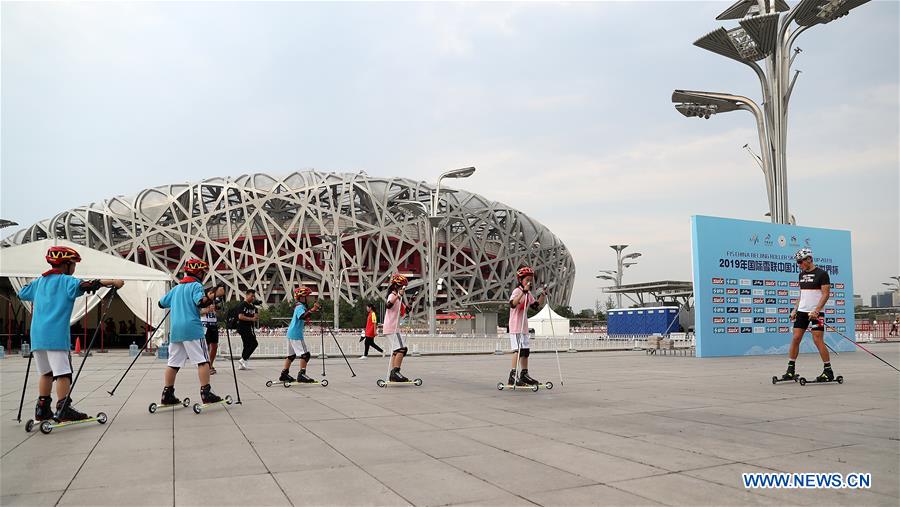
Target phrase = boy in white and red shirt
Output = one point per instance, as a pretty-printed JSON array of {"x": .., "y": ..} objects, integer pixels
[
  {"x": 519, "y": 303},
  {"x": 394, "y": 308}
]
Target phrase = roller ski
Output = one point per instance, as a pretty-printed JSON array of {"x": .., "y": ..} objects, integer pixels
[
  {"x": 169, "y": 400},
  {"x": 399, "y": 379},
  {"x": 285, "y": 378},
  {"x": 66, "y": 415},
  {"x": 789, "y": 375},
  {"x": 43, "y": 411},
  {"x": 826, "y": 377},
  {"x": 525, "y": 382},
  {"x": 303, "y": 379},
  {"x": 209, "y": 398}
]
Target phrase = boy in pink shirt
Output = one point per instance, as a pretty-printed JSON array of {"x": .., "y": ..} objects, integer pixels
[
  {"x": 393, "y": 309},
  {"x": 519, "y": 302}
]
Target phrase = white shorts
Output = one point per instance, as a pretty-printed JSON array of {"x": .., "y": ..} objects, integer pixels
[
  {"x": 396, "y": 341},
  {"x": 180, "y": 352},
  {"x": 57, "y": 362},
  {"x": 522, "y": 341},
  {"x": 297, "y": 347}
]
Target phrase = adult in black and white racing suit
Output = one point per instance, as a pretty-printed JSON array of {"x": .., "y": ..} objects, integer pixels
[{"x": 815, "y": 288}]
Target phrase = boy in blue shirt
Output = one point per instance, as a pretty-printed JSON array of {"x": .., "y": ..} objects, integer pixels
[
  {"x": 54, "y": 295},
  {"x": 296, "y": 342},
  {"x": 187, "y": 333}
]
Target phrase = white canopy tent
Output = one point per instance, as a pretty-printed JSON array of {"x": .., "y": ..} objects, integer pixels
[
  {"x": 549, "y": 323},
  {"x": 23, "y": 263}
]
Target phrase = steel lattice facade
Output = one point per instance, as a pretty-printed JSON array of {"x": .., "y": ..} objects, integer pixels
[{"x": 265, "y": 232}]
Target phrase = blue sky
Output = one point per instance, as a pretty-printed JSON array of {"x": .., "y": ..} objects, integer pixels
[{"x": 564, "y": 109}]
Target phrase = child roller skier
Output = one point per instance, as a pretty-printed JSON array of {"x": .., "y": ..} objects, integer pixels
[
  {"x": 815, "y": 289},
  {"x": 395, "y": 307},
  {"x": 187, "y": 340},
  {"x": 296, "y": 340},
  {"x": 53, "y": 295},
  {"x": 519, "y": 303}
]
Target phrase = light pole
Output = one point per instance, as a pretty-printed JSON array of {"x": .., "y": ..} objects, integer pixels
[
  {"x": 764, "y": 34},
  {"x": 621, "y": 263},
  {"x": 336, "y": 241}
]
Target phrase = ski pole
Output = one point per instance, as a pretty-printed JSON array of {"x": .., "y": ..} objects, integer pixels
[
  {"x": 860, "y": 346},
  {"x": 322, "y": 334},
  {"x": 553, "y": 333},
  {"x": 149, "y": 338},
  {"x": 342, "y": 352},
  {"x": 237, "y": 390},
  {"x": 24, "y": 385},
  {"x": 87, "y": 352}
]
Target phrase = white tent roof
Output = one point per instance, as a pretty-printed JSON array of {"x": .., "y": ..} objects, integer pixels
[
  {"x": 547, "y": 313},
  {"x": 27, "y": 261},
  {"x": 23, "y": 263}
]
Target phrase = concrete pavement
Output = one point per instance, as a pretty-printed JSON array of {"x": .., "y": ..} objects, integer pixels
[{"x": 625, "y": 429}]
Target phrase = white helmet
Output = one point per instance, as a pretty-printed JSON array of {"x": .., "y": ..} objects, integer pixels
[{"x": 803, "y": 253}]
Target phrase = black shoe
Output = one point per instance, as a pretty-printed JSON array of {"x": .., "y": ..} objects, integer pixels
[
  {"x": 397, "y": 377},
  {"x": 69, "y": 413},
  {"x": 512, "y": 380},
  {"x": 789, "y": 375},
  {"x": 168, "y": 396},
  {"x": 826, "y": 376},
  {"x": 43, "y": 410},
  {"x": 207, "y": 396},
  {"x": 526, "y": 379},
  {"x": 286, "y": 377},
  {"x": 302, "y": 378}
]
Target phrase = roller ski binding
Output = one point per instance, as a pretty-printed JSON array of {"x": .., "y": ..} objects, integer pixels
[
  {"x": 788, "y": 376},
  {"x": 826, "y": 377},
  {"x": 303, "y": 379},
  {"x": 42, "y": 411},
  {"x": 397, "y": 378},
  {"x": 284, "y": 378},
  {"x": 66, "y": 415},
  {"x": 168, "y": 399},
  {"x": 208, "y": 398}
]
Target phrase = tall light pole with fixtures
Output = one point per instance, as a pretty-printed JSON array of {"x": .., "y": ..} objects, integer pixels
[
  {"x": 621, "y": 263},
  {"x": 764, "y": 34},
  {"x": 336, "y": 240}
]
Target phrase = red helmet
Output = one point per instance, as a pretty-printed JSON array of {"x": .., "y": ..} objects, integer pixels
[
  {"x": 524, "y": 271},
  {"x": 196, "y": 267},
  {"x": 300, "y": 292},
  {"x": 399, "y": 279},
  {"x": 57, "y": 255}
]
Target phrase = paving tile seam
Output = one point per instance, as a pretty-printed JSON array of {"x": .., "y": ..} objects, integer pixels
[
  {"x": 355, "y": 464},
  {"x": 268, "y": 470},
  {"x": 34, "y": 434},
  {"x": 107, "y": 428}
]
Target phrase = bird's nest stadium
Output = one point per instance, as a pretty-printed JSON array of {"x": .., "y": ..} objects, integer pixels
[{"x": 274, "y": 233}]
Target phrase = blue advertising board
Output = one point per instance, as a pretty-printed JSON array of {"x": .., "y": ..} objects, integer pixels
[{"x": 746, "y": 284}]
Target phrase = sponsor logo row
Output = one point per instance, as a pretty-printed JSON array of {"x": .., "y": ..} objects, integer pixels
[
  {"x": 759, "y": 329},
  {"x": 761, "y": 283}
]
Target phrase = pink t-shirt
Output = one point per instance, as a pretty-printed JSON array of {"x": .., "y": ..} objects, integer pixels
[
  {"x": 392, "y": 315},
  {"x": 517, "y": 314}
]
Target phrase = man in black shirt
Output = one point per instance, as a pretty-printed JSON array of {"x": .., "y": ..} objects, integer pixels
[
  {"x": 247, "y": 318},
  {"x": 815, "y": 288}
]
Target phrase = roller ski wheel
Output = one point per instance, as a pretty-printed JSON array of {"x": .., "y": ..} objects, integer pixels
[
  {"x": 323, "y": 383},
  {"x": 381, "y": 383},
  {"x": 227, "y": 400},
  {"x": 29, "y": 425},
  {"x": 269, "y": 383},
  {"x": 154, "y": 406},
  {"x": 548, "y": 385},
  {"x": 49, "y": 425}
]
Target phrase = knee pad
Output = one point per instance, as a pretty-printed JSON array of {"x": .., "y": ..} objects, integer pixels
[
  {"x": 66, "y": 375},
  {"x": 525, "y": 353},
  {"x": 305, "y": 356},
  {"x": 291, "y": 357},
  {"x": 402, "y": 351}
]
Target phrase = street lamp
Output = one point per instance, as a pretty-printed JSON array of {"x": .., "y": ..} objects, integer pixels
[
  {"x": 616, "y": 275},
  {"x": 765, "y": 34},
  {"x": 336, "y": 241},
  {"x": 419, "y": 209}
]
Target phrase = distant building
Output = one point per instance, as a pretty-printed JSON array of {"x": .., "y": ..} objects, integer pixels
[
  {"x": 883, "y": 300},
  {"x": 857, "y": 300}
]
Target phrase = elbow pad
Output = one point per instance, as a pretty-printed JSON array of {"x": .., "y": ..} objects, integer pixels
[{"x": 90, "y": 286}]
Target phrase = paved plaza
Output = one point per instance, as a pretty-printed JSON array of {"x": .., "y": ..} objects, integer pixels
[{"x": 625, "y": 429}]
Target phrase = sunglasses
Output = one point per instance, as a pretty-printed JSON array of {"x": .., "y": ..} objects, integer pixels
[{"x": 802, "y": 261}]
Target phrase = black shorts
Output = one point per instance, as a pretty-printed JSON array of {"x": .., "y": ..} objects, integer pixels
[
  {"x": 212, "y": 334},
  {"x": 802, "y": 322}
]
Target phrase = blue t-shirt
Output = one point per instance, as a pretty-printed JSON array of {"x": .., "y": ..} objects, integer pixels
[
  {"x": 54, "y": 296},
  {"x": 185, "y": 315},
  {"x": 295, "y": 330}
]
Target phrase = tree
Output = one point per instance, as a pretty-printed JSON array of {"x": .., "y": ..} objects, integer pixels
[{"x": 564, "y": 311}]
